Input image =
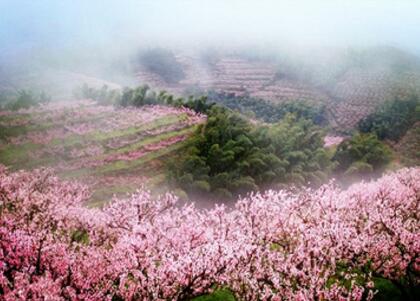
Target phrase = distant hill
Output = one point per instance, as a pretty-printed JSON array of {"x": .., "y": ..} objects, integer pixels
[{"x": 351, "y": 83}]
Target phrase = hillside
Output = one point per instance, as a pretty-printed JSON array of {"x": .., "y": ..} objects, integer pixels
[
  {"x": 350, "y": 83},
  {"x": 113, "y": 150}
]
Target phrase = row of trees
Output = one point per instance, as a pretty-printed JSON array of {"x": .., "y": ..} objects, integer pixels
[
  {"x": 229, "y": 156},
  {"x": 141, "y": 96},
  {"x": 256, "y": 108}
]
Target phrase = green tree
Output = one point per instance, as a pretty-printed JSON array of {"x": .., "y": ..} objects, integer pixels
[
  {"x": 392, "y": 119},
  {"x": 362, "y": 154}
]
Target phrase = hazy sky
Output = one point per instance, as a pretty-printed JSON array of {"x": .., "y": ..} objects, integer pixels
[{"x": 85, "y": 24}]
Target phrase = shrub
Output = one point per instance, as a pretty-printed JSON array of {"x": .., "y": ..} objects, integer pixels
[
  {"x": 26, "y": 99},
  {"x": 362, "y": 154}
]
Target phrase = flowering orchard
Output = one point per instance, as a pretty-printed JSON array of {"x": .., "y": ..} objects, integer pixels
[
  {"x": 92, "y": 143},
  {"x": 326, "y": 244}
]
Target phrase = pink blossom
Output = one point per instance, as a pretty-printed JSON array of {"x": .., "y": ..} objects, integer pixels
[
  {"x": 332, "y": 140},
  {"x": 325, "y": 244}
]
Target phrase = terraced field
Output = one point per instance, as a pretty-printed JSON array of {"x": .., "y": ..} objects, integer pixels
[
  {"x": 235, "y": 75},
  {"x": 113, "y": 150},
  {"x": 358, "y": 92},
  {"x": 349, "y": 94}
]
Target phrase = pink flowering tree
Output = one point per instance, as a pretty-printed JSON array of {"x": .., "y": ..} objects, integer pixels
[
  {"x": 329, "y": 244},
  {"x": 326, "y": 244}
]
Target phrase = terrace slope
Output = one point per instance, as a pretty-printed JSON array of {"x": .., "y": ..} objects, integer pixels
[{"x": 114, "y": 150}]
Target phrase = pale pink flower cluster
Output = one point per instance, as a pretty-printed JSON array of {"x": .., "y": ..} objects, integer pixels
[
  {"x": 43, "y": 137},
  {"x": 84, "y": 118},
  {"x": 332, "y": 140},
  {"x": 57, "y": 106},
  {"x": 136, "y": 154},
  {"x": 58, "y": 112},
  {"x": 6, "y": 113},
  {"x": 326, "y": 244},
  {"x": 164, "y": 129},
  {"x": 193, "y": 116},
  {"x": 90, "y": 156},
  {"x": 89, "y": 151}
]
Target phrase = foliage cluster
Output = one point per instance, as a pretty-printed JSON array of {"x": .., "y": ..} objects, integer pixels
[
  {"x": 230, "y": 156},
  {"x": 392, "y": 119},
  {"x": 362, "y": 155},
  {"x": 24, "y": 99},
  {"x": 409, "y": 147},
  {"x": 142, "y": 95},
  {"x": 269, "y": 112}
]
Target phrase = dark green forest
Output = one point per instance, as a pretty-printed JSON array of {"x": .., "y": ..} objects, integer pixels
[
  {"x": 229, "y": 156},
  {"x": 266, "y": 111}
]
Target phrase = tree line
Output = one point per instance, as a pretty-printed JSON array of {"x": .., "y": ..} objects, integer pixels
[{"x": 141, "y": 96}]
